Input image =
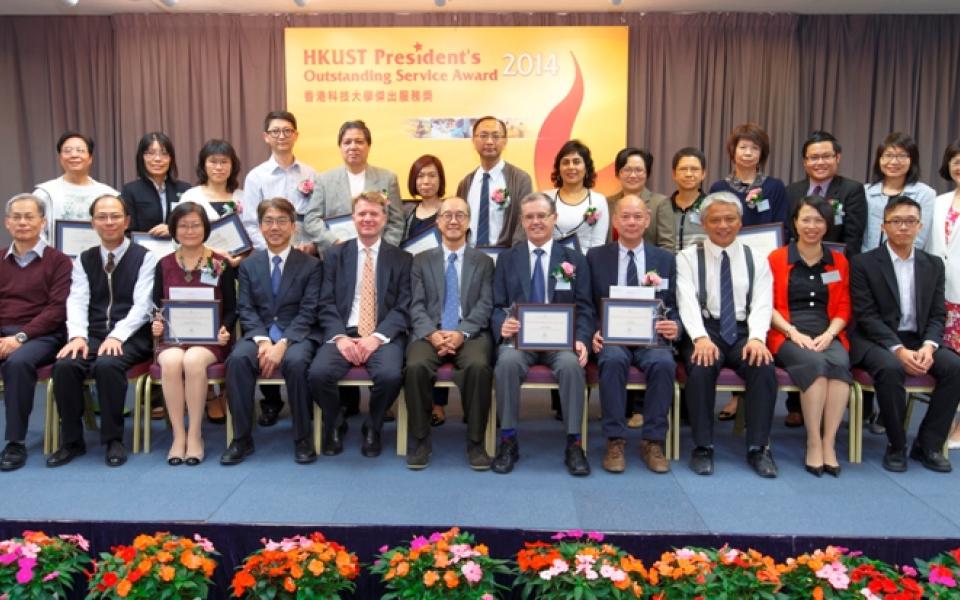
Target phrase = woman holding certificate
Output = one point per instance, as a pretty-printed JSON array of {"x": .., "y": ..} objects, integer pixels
[
  {"x": 193, "y": 272},
  {"x": 426, "y": 181},
  {"x": 811, "y": 302},
  {"x": 580, "y": 210}
]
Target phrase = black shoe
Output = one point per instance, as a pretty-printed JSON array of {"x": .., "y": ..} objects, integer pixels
[
  {"x": 239, "y": 449},
  {"x": 333, "y": 440},
  {"x": 371, "y": 442},
  {"x": 268, "y": 415},
  {"x": 576, "y": 461},
  {"x": 701, "y": 460},
  {"x": 931, "y": 459},
  {"x": 815, "y": 471},
  {"x": 508, "y": 453},
  {"x": 874, "y": 425},
  {"x": 13, "y": 457},
  {"x": 895, "y": 460},
  {"x": 420, "y": 457},
  {"x": 833, "y": 470},
  {"x": 478, "y": 458},
  {"x": 762, "y": 462},
  {"x": 66, "y": 453},
  {"x": 303, "y": 453},
  {"x": 116, "y": 454}
]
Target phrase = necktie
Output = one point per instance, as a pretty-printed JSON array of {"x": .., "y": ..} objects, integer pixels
[
  {"x": 538, "y": 294},
  {"x": 632, "y": 278},
  {"x": 483, "y": 218},
  {"x": 275, "y": 332},
  {"x": 368, "y": 297},
  {"x": 818, "y": 191},
  {"x": 728, "y": 314},
  {"x": 110, "y": 264},
  {"x": 451, "y": 296}
]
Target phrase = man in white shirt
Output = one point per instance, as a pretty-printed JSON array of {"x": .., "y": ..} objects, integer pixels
[{"x": 725, "y": 296}]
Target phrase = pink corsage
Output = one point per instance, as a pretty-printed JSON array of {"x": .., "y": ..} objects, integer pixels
[
  {"x": 591, "y": 215},
  {"x": 214, "y": 267},
  {"x": 754, "y": 197},
  {"x": 501, "y": 197},
  {"x": 306, "y": 186},
  {"x": 652, "y": 279},
  {"x": 565, "y": 271}
]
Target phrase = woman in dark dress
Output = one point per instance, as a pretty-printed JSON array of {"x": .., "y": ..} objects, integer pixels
[
  {"x": 184, "y": 378},
  {"x": 811, "y": 308}
]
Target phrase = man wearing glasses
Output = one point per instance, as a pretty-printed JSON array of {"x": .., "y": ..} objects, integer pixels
[
  {"x": 281, "y": 175},
  {"x": 495, "y": 189},
  {"x": 897, "y": 296},
  {"x": 452, "y": 296}
]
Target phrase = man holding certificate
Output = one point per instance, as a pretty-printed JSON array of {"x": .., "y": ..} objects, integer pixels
[
  {"x": 632, "y": 262},
  {"x": 277, "y": 306},
  {"x": 452, "y": 288},
  {"x": 108, "y": 325},
  {"x": 541, "y": 272},
  {"x": 725, "y": 295}
]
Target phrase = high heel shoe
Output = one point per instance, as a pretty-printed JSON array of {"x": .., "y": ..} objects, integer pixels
[
  {"x": 815, "y": 471},
  {"x": 192, "y": 461},
  {"x": 833, "y": 470},
  {"x": 174, "y": 458}
]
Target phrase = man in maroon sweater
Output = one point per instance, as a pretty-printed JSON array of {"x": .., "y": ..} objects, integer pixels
[{"x": 34, "y": 284}]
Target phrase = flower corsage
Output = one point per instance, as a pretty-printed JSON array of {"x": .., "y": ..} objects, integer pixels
[
  {"x": 565, "y": 271},
  {"x": 213, "y": 267},
  {"x": 306, "y": 187},
  {"x": 754, "y": 198},
  {"x": 591, "y": 215},
  {"x": 501, "y": 197},
  {"x": 651, "y": 279}
]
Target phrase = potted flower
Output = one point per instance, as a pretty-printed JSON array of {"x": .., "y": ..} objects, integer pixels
[
  {"x": 940, "y": 575},
  {"x": 37, "y": 566},
  {"x": 578, "y": 566},
  {"x": 447, "y": 564},
  {"x": 835, "y": 573},
  {"x": 712, "y": 573},
  {"x": 297, "y": 567},
  {"x": 161, "y": 566}
]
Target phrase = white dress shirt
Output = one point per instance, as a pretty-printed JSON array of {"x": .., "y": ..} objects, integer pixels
[
  {"x": 270, "y": 180},
  {"x": 78, "y": 302},
  {"x": 357, "y": 182},
  {"x": 758, "y": 321},
  {"x": 284, "y": 254},
  {"x": 639, "y": 258},
  {"x": 497, "y": 212},
  {"x": 354, "y": 319},
  {"x": 547, "y": 251},
  {"x": 458, "y": 265},
  {"x": 904, "y": 270}
]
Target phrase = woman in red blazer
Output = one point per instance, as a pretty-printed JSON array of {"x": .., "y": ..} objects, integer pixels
[{"x": 811, "y": 302}]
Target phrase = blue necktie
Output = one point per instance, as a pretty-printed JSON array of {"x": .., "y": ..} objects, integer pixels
[
  {"x": 275, "y": 332},
  {"x": 632, "y": 278},
  {"x": 483, "y": 219},
  {"x": 538, "y": 294},
  {"x": 451, "y": 297},
  {"x": 728, "y": 314}
]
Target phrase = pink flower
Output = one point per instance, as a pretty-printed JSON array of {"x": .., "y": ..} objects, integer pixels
[
  {"x": 25, "y": 573},
  {"x": 909, "y": 571},
  {"x": 472, "y": 571},
  {"x": 384, "y": 548},
  {"x": 306, "y": 186},
  {"x": 595, "y": 536},
  {"x": 591, "y": 215},
  {"x": 501, "y": 197},
  {"x": 568, "y": 271},
  {"x": 419, "y": 542},
  {"x": 753, "y": 196},
  {"x": 685, "y": 553},
  {"x": 435, "y": 537},
  {"x": 612, "y": 573},
  {"x": 940, "y": 575},
  {"x": 51, "y": 576},
  {"x": 483, "y": 597},
  {"x": 6, "y": 559},
  {"x": 78, "y": 540},
  {"x": 652, "y": 279},
  {"x": 836, "y": 574}
]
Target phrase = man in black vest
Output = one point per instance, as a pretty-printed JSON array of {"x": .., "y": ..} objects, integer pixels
[{"x": 108, "y": 325}]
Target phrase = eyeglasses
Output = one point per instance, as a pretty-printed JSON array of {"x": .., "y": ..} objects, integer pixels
[
  {"x": 632, "y": 171},
  {"x": 106, "y": 217},
  {"x": 530, "y": 217},
  {"x": 156, "y": 154},
  {"x": 27, "y": 218},
  {"x": 901, "y": 223},
  {"x": 890, "y": 157},
  {"x": 189, "y": 226},
  {"x": 448, "y": 216},
  {"x": 279, "y": 133},
  {"x": 812, "y": 221},
  {"x": 73, "y": 150},
  {"x": 490, "y": 137},
  {"x": 815, "y": 158},
  {"x": 281, "y": 221}
]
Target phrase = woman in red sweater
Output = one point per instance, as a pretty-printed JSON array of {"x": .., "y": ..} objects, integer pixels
[{"x": 811, "y": 301}]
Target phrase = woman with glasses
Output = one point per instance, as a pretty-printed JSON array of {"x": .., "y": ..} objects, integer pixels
[
  {"x": 811, "y": 308},
  {"x": 896, "y": 171},
  {"x": 155, "y": 192},
  {"x": 427, "y": 182},
  {"x": 580, "y": 210},
  {"x": 218, "y": 171},
  {"x": 632, "y": 167},
  {"x": 184, "y": 378}
]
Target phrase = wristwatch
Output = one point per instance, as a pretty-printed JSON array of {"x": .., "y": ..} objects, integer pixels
[{"x": 21, "y": 337}]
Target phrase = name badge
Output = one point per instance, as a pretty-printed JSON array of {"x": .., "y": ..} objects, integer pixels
[
  {"x": 208, "y": 278},
  {"x": 562, "y": 286},
  {"x": 829, "y": 277},
  {"x": 838, "y": 218},
  {"x": 664, "y": 284},
  {"x": 763, "y": 206},
  {"x": 695, "y": 218}
]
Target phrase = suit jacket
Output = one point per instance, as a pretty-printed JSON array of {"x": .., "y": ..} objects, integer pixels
[
  {"x": 428, "y": 288},
  {"x": 854, "y": 203},
  {"x": 511, "y": 284},
  {"x": 295, "y": 308},
  {"x": 876, "y": 300},
  {"x": 518, "y": 186},
  {"x": 340, "y": 283},
  {"x": 938, "y": 244},
  {"x": 661, "y": 230},
  {"x": 331, "y": 198},
  {"x": 604, "y": 262},
  {"x": 143, "y": 202}
]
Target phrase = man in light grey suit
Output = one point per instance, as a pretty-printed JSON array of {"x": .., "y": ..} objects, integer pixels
[
  {"x": 335, "y": 190},
  {"x": 452, "y": 296}
]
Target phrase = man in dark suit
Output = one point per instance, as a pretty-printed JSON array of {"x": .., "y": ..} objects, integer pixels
[
  {"x": 452, "y": 296},
  {"x": 277, "y": 306},
  {"x": 494, "y": 190},
  {"x": 365, "y": 313},
  {"x": 533, "y": 271},
  {"x": 897, "y": 294},
  {"x": 631, "y": 261},
  {"x": 821, "y": 159}
]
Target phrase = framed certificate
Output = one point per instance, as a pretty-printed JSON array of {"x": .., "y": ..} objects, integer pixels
[
  {"x": 546, "y": 327},
  {"x": 493, "y": 251},
  {"x": 341, "y": 227},
  {"x": 762, "y": 239},
  {"x": 73, "y": 237},
  {"x": 426, "y": 240},
  {"x": 570, "y": 241},
  {"x": 159, "y": 246},
  {"x": 629, "y": 322},
  {"x": 228, "y": 235},
  {"x": 191, "y": 321}
]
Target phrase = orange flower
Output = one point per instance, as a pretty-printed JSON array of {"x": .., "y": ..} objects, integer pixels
[
  {"x": 440, "y": 559},
  {"x": 316, "y": 567},
  {"x": 163, "y": 556},
  {"x": 622, "y": 584},
  {"x": 430, "y": 578},
  {"x": 402, "y": 569},
  {"x": 145, "y": 565},
  {"x": 482, "y": 549},
  {"x": 289, "y": 585},
  {"x": 818, "y": 593},
  {"x": 209, "y": 565},
  {"x": 143, "y": 541},
  {"x": 167, "y": 572},
  {"x": 123, "y": 588},
  {"x": 241, "y": 581},
  {"x": 295, "y": 571},
  {"x": 450, "y": 578},
  {"x": 191, "y": 560}
]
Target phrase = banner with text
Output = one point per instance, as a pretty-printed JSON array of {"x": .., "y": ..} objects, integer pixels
[{"x": 420, "y": 89}]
